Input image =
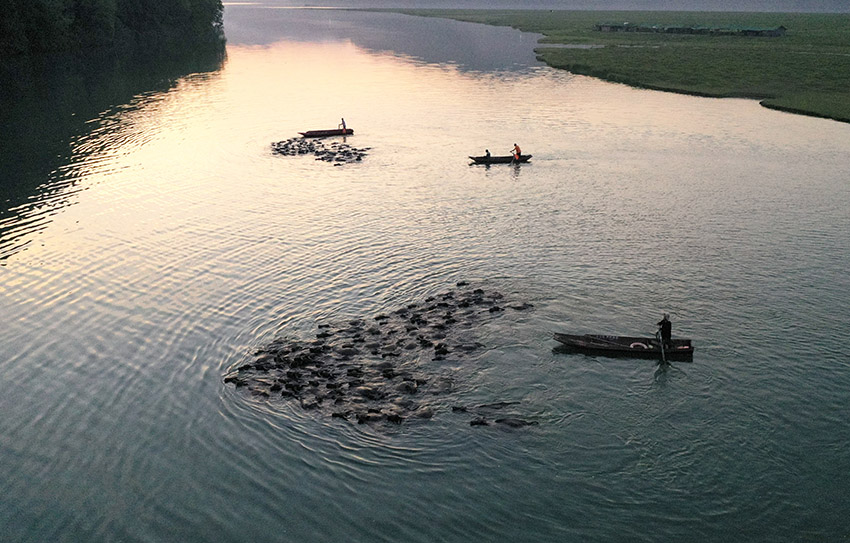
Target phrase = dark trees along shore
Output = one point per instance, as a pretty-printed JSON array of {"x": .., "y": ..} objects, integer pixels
[{"x": 39, "y": 26}]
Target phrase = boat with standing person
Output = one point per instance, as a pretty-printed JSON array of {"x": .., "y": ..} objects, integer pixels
[
  {"x": 327, "y": 133},
  {"x": 508, "y": 159},
  {"x": 627, "y": 346}
]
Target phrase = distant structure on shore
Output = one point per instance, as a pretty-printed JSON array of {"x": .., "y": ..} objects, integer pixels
[{"x": 704, "y": 30}]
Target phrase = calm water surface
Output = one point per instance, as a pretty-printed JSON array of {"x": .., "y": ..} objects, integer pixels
[{"x": 161, "y": 243}]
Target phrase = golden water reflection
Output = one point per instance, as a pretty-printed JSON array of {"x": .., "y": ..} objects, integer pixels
[{"x": 166, "y": 153}]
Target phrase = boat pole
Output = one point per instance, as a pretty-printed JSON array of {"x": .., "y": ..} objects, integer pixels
[{"x": 661, "y": 343}]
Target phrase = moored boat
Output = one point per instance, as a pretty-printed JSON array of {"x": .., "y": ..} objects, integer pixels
[
  {"x": 509, "y": 159},
  {"x": 627, "y": 346},
  {"x": 326, "y": 133}
]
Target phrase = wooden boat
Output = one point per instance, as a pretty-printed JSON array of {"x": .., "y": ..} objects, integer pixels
[
  {"x": 326, "y": 133},
  {"x": 509, "y": 159},
  {"x": 627, "y": 346}
]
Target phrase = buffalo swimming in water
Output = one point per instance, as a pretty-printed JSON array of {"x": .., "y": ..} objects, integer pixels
[{"x": 376, "y": 368}]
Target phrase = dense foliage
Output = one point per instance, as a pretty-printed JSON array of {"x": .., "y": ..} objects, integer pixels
[{"x": 36, "y": 26}]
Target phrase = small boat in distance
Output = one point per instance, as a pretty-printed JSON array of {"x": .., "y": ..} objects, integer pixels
[
  {"x": 326, "y": 133},
  {"x": 509, "y": 159},
  {"x": 626, "y": 346}
]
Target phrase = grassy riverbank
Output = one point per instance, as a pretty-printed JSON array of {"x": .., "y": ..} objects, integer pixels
[{"x": 806, "y": 71}]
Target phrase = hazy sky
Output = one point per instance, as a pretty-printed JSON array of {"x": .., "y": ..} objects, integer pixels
[{"x": 681, "y": 5}]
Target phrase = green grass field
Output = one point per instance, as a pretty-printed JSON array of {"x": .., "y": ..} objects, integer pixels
[{"x": 806, "y": 71}]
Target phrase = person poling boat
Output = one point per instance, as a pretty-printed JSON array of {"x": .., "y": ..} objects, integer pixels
[
  {"x": 342, "y": 124},
  {"x": 517, "y": 152}
]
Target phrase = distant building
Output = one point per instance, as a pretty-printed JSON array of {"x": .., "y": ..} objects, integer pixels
[{"x": 703, "y": 30}]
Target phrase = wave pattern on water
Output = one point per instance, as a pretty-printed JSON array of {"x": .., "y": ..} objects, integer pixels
[{"x": 189, "y": 246}]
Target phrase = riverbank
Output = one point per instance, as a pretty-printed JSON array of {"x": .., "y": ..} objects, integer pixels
[{"x": 805, "y": 71}]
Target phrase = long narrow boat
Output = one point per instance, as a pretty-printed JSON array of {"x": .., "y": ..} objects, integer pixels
[
  {"x": 326, "y": 133},
  {"x": 509, "y": 159},
  {"x": 627, "y": 346}
]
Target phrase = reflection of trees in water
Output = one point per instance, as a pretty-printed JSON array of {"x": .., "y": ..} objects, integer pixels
[{"x": 47, "y": 103}]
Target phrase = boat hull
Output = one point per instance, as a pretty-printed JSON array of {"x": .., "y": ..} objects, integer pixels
[
  {"x": 626, "y": 346},
  {"x": 326, "y": 133},
  {"x": 499, "y": 159}
]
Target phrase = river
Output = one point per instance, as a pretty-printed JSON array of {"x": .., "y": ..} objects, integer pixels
[{"x": 151, "y": 244}]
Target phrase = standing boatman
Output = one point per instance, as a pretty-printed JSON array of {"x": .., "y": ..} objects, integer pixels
[
  {"x": 517, "y": 152},
  {"x": 342, "y": 124},
  {"x": 666, "y": 329}
]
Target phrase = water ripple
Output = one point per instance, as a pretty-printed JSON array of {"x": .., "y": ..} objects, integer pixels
[{"x": 172, "y": 245}]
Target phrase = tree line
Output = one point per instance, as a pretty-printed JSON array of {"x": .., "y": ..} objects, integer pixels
[{"x": 40, "y": 26}]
